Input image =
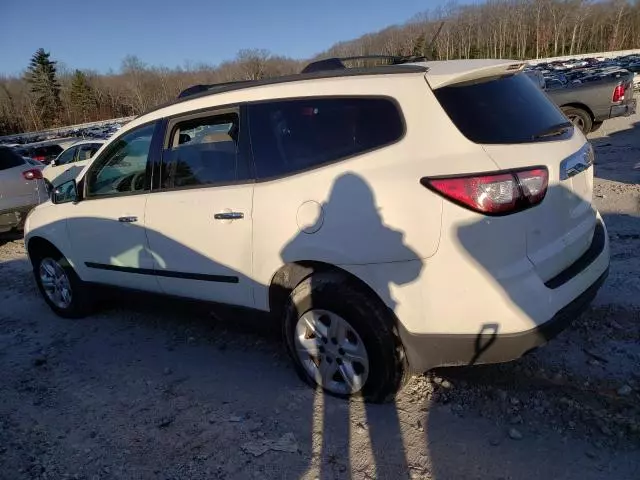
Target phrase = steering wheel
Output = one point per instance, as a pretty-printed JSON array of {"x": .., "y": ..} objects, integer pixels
[{"x": 134, "y": 180}]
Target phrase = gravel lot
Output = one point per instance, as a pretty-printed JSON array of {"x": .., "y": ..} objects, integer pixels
[{"x": 173, "y": 391}]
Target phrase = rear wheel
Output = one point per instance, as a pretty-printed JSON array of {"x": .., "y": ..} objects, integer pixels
[
  {"x": 60, "y": 286},
  {"x": 579, "y": 118},
  {"x": 342, "y": 340}
]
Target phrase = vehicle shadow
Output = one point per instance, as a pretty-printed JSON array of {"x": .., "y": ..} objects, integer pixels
[
  {"x": 333, "y": 438},
  {"x": 205, "y": 391},
  {"x": 10, "y": 236},
  {"x": 618, "y": 154}
]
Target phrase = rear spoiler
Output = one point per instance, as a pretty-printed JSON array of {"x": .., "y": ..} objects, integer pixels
[{"x": 442, "y": 74}]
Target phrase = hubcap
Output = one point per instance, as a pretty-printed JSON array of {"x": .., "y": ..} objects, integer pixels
[
  {"x": 55, "y": 283},
  {"x": 331, "y": 351}
]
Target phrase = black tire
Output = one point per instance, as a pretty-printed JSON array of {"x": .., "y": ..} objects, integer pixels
[
  {"x": 595, "y": 126},
  {"x": 579, "y": 118},
  {"x": 368, "y": 316},
  {"x": 81, "y": 302}
]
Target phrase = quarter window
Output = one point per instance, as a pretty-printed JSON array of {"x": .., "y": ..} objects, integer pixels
[
  {"x": 293, "y": 135},
  {"x": 123, "y": 166},
  {"x": 203, "y": 151}
]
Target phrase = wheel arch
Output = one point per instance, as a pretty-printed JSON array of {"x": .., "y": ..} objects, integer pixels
[
  {"x": 37, "y": 246},
  {"x": 289, "y": 275},
  {"x": 580, "y": 106}
]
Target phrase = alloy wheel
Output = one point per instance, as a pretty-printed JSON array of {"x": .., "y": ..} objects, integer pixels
[
  {"x": 331, "y": 352},
  {"x": 55, "y": 283}
]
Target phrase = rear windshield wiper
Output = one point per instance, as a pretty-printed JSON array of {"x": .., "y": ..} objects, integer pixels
[{"x": 554, "y": 130}]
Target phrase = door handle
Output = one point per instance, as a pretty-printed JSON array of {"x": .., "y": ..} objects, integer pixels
[
  {"x": 229, "y": 216},
  {"x": 128, "y": 219}
]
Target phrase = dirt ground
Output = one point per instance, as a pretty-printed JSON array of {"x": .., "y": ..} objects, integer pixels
[{"x": 144, "y": 389}]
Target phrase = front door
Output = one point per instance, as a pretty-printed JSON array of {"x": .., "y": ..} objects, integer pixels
[
  {"x": 107, "y": 227},
  {"x": 199, "y": 223}
]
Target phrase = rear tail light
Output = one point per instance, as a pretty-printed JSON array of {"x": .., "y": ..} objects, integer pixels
[
  {"x": 39, "y": 158},
  {"x": 33, "y": 174},
  {"x": 618, "y": 93},
  {"x": 494, "y": 194}
]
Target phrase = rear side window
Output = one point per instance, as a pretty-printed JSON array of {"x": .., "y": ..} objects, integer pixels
[
  {"x": 9, "y": 159},
  {"x": 500, "y": 110},
  {"x": 289, "y": 136},
  {"x": 203, "y": 151}
]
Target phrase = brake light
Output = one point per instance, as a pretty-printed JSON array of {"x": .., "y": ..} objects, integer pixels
[
  {"x": 39, "y": 158},
  {"x": 494, "y": 194},
  {"x": 33, "y": 174},
  {"x": 618, "y": 93}
]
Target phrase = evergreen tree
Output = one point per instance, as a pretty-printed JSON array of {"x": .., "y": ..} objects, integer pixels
[
  {"x": 82, "y": 96},
  {"x": 41, "y": 75},
  {"x": 419, "y": 45}
]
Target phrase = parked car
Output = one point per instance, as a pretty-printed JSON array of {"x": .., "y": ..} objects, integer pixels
[
  {"x": 393, "y": 218},
  {"x": 42, "y": 153},
  {"x": 21, "y": 188},
  {"x": 69, "y": 163}
]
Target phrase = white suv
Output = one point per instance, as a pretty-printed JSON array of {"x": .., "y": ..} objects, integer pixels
[{"x": 396, "y": 218}]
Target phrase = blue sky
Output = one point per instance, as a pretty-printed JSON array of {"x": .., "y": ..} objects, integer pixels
[{"x": 97, "y": 35}]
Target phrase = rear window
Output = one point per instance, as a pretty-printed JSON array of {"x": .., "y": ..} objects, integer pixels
[
  {"x": 9, "y": 159},
  {"x": 289, "y": 136},
  {"x": 500, "y": 110}
]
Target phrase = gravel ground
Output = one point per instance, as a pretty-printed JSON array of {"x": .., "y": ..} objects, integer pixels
[{"x": 165, "y": 391}]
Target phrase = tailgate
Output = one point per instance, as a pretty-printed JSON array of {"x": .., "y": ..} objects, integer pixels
[
  {"x": 560, "y": 229},
  {"x": 520, "y": 128}
]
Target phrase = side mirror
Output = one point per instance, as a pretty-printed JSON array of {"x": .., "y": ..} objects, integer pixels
[
  {"x": 53, "y": 163},
  {"x": 65, "y": 193}
]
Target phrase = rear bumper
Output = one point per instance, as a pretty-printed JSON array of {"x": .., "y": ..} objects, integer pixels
[
  {"x": 488, "y": 346},
  {"x": 623, "y": 110}
]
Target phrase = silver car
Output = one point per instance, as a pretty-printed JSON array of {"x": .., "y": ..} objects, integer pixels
[{"x": 21, "y": 188}]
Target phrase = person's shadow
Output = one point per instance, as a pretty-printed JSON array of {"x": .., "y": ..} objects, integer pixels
[{"x": 350, "y": 231}]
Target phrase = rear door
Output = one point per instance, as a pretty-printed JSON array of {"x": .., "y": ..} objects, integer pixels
[
  {"x": 199, "y": 223},
  {"x": 519, "y": 127}
]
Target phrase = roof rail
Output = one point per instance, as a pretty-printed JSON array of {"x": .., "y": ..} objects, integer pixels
[
  {"x": 198, "y": 91},
  {"x": 337, "y": 63},
  {"x": 192, "y": 90}
]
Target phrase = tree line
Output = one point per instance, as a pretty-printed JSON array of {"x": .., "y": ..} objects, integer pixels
[{"x": 47, "y": 95}]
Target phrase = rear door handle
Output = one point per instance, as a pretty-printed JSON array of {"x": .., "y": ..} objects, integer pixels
[
  {"x": 128, "y": 219},
  {"x": 229, "y": 216}
]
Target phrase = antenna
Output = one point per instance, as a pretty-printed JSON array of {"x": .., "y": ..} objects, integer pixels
[{"x": 429, "y": 48}]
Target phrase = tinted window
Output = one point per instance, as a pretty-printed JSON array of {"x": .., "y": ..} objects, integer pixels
[
  {"x": 9, "y": 159},
  {"x": 66, "y": 157},
  {"x": 202, "y": 152},
  {"x": 122, "y": 168},
  {"x": 85, "y": 152},
  {"x": 293, "y": 135},
  {"x": 500, "y": 110},
  {"x": 48, "y": 151}
]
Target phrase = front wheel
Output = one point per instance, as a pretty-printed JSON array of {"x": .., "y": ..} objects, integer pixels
[
  {"x": 60, "y": 286},
  {"x": 343, "y": 340},
  {"x": 579, "y": 118}
]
